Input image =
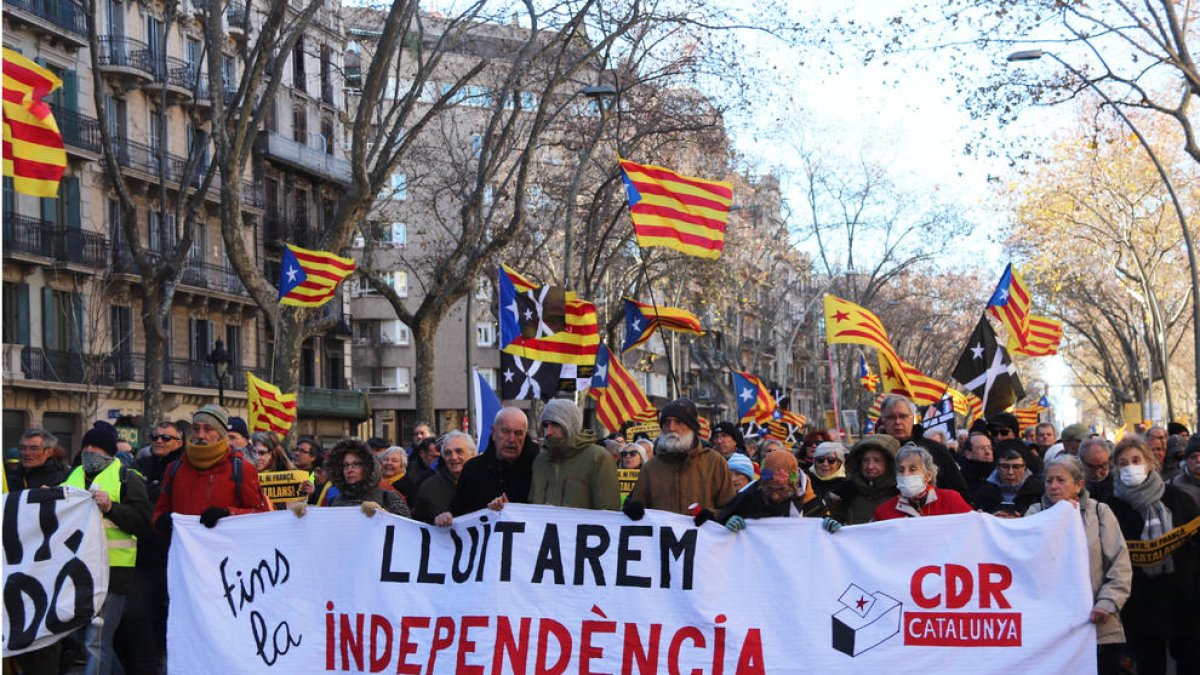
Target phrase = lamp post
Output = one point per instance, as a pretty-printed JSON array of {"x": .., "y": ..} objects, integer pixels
[
  {"x": 597, "y": 93},
  {"x": 219, "y": 358},
  {"x": 1034, "y": 55}
]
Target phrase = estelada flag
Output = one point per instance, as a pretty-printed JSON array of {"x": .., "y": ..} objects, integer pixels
[
  {"x": 310, "y": 278},
  {"x": 619, "y": 398},
  {"x": 866, "y": 378},
  {"x": 923, "y": 390},
  {"x": 33, "y": 146},
  {"x": 1010, "y": 304},
  {"x": 848, "y": 323},
  {"x": 524, "y": 329},
  {"x": 679, "y": 212},
  {"x": 641, "y": 320},
  {"x": 270, "y": 409},
  {"x": 754, "y": 401}
]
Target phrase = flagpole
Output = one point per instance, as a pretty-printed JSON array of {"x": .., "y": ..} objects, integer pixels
[
  {"x": 662, "y": 334},
  {"x": 833, "y": 391}
]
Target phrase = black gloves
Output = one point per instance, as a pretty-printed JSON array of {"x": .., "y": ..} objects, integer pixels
[
  {"x": 164, "y": 525},
  {"x": 634, "y": 509},
  {"x": 212, "y": 514},
  {"x": 703, "y": 517}
]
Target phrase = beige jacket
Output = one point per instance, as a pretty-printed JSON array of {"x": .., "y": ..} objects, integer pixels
[
  {"x": 668, "y": 485},
  {"x": 1108, "y": 563}
]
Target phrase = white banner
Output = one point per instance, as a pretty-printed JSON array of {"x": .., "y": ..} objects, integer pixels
[
  {"x": 546, "y": 590},
  {"x": 55, "y": 565}
]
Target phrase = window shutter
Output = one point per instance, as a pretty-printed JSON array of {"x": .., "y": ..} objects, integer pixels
[
  {"x": 50, "y": 324},
  {"x": 23, "y": 314}
]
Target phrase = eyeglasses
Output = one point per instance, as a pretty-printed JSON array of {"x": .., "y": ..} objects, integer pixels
[
  {"x": 353, "y": 465},
  {"x": 165, "y": 438},
  {"x": 304, "y": 451},
  {"x": 1096, "y": 467},
  {"x": 628, "y": 453},
  {"x": 30, "y": 448},
  {"x": 827, "y": 459},
  {"x": 1012, "y": 467}
]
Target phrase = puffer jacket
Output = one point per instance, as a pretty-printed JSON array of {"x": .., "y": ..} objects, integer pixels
[
  {"x": 854, "y": 501},
  {"x": 365, "y": 490},
  {"x": 1108, "y": 563},
  {"x": 582, "y": 475},
  {"x": 674, "y": 484}
]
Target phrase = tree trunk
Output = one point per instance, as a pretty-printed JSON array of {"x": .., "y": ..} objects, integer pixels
[
  {"x": 424, "y": 332},
  {"x": 285, "y": 358},
  {"x": 155, "y": 357}
]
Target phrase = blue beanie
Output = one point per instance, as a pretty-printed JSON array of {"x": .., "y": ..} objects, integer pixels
[{"x": 741, "y": 464}]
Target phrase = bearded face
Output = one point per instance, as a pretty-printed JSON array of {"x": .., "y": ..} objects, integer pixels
[{"x": 676, "y": 443}]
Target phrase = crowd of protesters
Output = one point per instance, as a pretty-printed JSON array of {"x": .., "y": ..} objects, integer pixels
[{"x": 1136, "y": 490}]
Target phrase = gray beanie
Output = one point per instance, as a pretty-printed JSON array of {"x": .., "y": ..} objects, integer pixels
[{"x": 565, "y": 413}]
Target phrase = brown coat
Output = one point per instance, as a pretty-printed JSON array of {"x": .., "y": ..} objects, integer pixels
[{"x": 668, "y": 485}]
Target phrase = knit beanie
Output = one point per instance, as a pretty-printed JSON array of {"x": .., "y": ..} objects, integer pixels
[
  {"x": 102, "y": 435},
  {"x": 779, "y": 462},
  {"x": 564, "y": 413},
  {"x": 238, "y": 425},
  {"x": 739, "y": 463},
  {"x": 683, "y": 410},
  {"x": 731, "y": 430},
  {"x": 1193, "y": 445},
  {"x": 1176, "y": 429},
  {"x": 830, "y": 448},
  {"x": 215, "y": 415}
]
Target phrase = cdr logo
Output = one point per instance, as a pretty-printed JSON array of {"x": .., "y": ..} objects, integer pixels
[{"x": 955, "y": 587}]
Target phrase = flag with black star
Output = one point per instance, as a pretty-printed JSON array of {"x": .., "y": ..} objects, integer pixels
[
  {"x": 986, "y": 370},
  {"x": 522, "y": 378}
]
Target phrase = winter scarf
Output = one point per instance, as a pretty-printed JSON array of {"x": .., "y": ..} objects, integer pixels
[
  {"x": 1146, "y": 499},
  {"x": 205, "y": 456},
  {"x": 840, "y": 473}
]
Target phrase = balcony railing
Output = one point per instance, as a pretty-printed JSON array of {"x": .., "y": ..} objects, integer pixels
[
  {"x": 313, "y": 161},
  {"x": 213, "y": 277},
  {"x": 34, "y": 236},
  {"x": 122, "y": 52},
  {"x": 61, "y": 13},
  {"x": 343, "y": 403},
  {"x": 78, "y": 130},
  {"x": 278, "y": 229},
  {"x": 235, "y": 13},
  {"x": 131, "y": 367},
  {"x": 68, "y": 367},
  {"x": 147, "y": 159}
]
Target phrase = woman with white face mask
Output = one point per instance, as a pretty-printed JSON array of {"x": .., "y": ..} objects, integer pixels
[
  {"x": 916, "y": 476},
  {"x": 1163, "y": 611}
]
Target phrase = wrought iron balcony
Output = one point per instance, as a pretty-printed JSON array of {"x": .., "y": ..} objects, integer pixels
[
  {"x": 198, "y": 373},
  {"x": 63, "y": 17},
  {"x": 37, "y": 237},
  {"x": 213, "y": 277},
  {"x": 119, "y": 53},
  {"x": 78, "y": 130},
  {"x": 67, "y": 367}
]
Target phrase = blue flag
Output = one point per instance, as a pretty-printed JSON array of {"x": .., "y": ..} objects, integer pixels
[
  {"x": 510, "y": 311},
  {"x": 487, "y": 405}
]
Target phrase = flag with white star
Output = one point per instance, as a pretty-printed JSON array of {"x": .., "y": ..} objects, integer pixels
[
  {"x": 525, "y": 379},
  {"x": 986, "y": 370},
  {"x": 641, "y": 320},
  {"x": 753, "y": 400},
  {"x": 310, "y": 278}
]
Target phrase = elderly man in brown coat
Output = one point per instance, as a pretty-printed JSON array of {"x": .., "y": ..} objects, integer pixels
[{"x": 683, "y": 476}]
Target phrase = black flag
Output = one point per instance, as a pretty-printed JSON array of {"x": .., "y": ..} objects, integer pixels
[
  {"x": 987, "y": 371},
  {"x": 522, "y": 378}
]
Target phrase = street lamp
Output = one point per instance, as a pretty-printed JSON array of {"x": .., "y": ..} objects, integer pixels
[
  {"x": 597, "y": 93},
  {"x": 219, "y": 358},
  {"x": 1034, "y": 55}
]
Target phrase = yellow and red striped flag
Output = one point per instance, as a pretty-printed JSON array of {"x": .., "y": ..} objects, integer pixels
[
  {"x": 1028, "y": 417},
  {"x": 576, "y": 343},
  {"x": 975, "y": 404},
  {"x": 754, "y": 400},
  {"x": 33, "y": 146},
  {"x": 619, "y": 398},
  {"x": 874, "y": 411},
  {"x": 923, "y": 390},
  {"x": 641, "y": 320},
  {"x": 705, "y": 429},
  {"x": 270, "y": 409},
  {"x": 1010, "y": 304},
  {"x": 310, "y": 278},
  {"x": 1044, "y": 337},
  {"x": 847, "y": 323},
  {"x": 679, "y": 212}
]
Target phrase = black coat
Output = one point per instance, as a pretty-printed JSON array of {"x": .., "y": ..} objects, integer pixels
[
  {"x": 49, "y": 474},
  {"x": 989, "y": 497},
  {"x": 434, "y": 495},
  {"x": 416, "y": 474},
  {"x": 152, "y": 550},
  {"x": 751, "y": 503},
  {"x": 1169, "y": 604},
  {"x": 485, "y": 477},
  {"x": 974, "y": 472}
]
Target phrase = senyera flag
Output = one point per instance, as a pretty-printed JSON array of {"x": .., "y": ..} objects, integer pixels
[
  {"x": 619, "y": 398},
  {"x": 679, "y": 212},
  {"x": 923, "y": 389},
  {"x": 1010, "y": 304},
  {"x": 33, "y": 146},
  {"x": 1045, "y": 336},
  {"x": 310, "y": 278},
  {"x": 1028, "y": 417},
  {"x": 270, "y": 409},
  {"x": 641, "y": 320}
]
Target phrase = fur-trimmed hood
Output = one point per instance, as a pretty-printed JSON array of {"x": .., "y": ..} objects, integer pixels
[{"x": 373, "y": 473}]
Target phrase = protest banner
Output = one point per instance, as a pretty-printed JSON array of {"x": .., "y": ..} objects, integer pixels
[
  {"x": 650, "y": 430},
  {"x": 1153, "y": 551},
  {"x": 55, "y": 565},
  {"x": 282, "y": 487},
  {"x": 549, "y": 590},
  {"x": 626, "y": 479}
]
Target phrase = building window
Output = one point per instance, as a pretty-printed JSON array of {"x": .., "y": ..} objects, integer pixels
[
  {"x": 397, "y": 379},
  {"x": 327, "y": 134},
  {"x": 298, "y": 77},
  {"x": 394, "y": 332},
  {"x": 397, "y": 234},
  {"x": 16, "y": 313},
  {"x": 233, "y": 345},
  {"x": 400, "y": 283},
  {"x": 200, "y": 339},
  {"x": 396, "y": 188},
  {"x": 485, "y": 334},
  {"x": 483, "y": 289},
  {"x": 489, "y": 375},
  {"x": 162, "y": 232},
  {"x": 121, "y": 328},
  {"x": 300, "y": 125},
  {"x": 62, "y": 320}
]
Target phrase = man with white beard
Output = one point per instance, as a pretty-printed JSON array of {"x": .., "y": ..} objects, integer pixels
[{"x": 683, "y": 476}]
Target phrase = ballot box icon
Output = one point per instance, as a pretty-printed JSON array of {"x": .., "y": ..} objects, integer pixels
[{"x": 865, "y": 620}]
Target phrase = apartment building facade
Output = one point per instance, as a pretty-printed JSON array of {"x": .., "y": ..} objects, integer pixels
[{"x": 73, "y": 338}]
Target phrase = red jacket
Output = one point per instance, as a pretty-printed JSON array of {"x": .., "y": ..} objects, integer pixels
[
  {"x": 189, "y": 491},
  {"x": 945, "y": 502}
]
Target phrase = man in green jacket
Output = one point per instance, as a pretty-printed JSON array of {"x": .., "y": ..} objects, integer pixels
[{"x": 572, "y": 469}]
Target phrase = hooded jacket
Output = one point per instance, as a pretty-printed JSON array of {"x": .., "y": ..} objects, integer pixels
[
  {"x": 582, "y": 475},
  {"x": 485, "y": 477},
  {"x": 671, "y": 484},
  {"x": 1108, "y": 563},
  {"x": 990, "y": 496},
  {"x": 855, "y": 500},
  {"x": 367, "y": 489}
]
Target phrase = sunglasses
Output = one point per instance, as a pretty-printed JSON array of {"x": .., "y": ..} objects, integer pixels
[
  {"x": 165, "y": 438},
  {"x": 628, "y": 453},
  {"x": 828, "y": 459}
]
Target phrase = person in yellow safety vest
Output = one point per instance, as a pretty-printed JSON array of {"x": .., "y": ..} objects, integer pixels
[{"x": 120, "y": 494}]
